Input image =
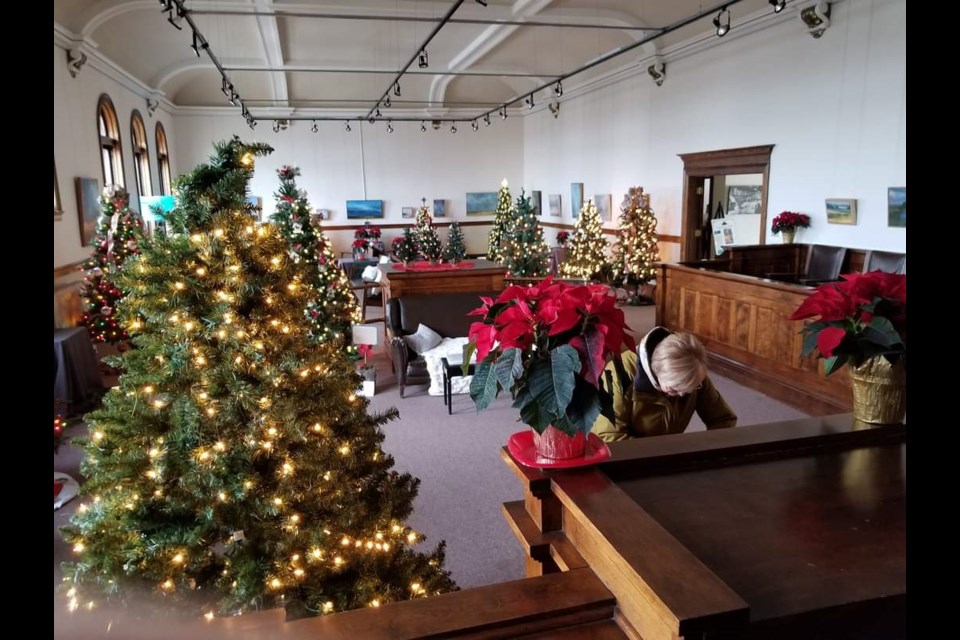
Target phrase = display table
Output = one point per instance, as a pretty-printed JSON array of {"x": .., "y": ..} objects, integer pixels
[
  {"x": 484, "y": 276},
  {"x": 76, "y": 381},
  {"x": 785, "y": 530}
]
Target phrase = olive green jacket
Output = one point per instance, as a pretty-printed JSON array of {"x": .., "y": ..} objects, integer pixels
[{"x": 640, "y": 413}]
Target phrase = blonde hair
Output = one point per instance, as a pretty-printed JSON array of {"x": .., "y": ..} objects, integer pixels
[{"x": 679, "y": 362}]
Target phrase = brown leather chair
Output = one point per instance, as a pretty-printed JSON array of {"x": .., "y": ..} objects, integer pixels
[
  {"x": 885, "y": 261},
  {"x": 823, "y": 265}
]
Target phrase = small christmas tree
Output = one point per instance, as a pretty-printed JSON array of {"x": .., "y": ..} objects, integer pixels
[
  {"x": 501, "y": 224},
  {"x": 405, "y": 246},
  {"x": 235, "y": 465},
  {"x": 587, "y": 251},
  {"x": 118, "y": 237},
  {"x": 636, "y": 251},
  {"x": 525, "y": 252},
  {"x": 331, "y": 314},
  {"x": 428, "y": 240},
  {"x": 456, "y": 249}
]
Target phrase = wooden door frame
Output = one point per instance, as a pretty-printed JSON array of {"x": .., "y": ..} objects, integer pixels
[{"x": 722, "y": 162}]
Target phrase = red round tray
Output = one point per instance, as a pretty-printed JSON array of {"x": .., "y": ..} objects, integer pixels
[{"x": 522, "y": 449}]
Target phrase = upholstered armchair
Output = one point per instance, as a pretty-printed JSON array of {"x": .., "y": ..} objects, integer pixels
[
  {"x": 885, "y": 261},
  {"x": 823, "y": 265}
]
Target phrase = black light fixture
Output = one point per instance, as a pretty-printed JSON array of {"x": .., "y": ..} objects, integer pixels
[
  {"x": 453, "y": 128},
  {"x": 377, "y": 114},
  {"x": 482, "y": 3},
  {"x": 722, "y": 26},
  {"x": 252, "y": 122},
  {"x": 198, "y": 43},
  {"x": 423, "y": 127},
  {"x": 486, "y": 120},
  {"x": 175, "y": 21},
  {"x": 558, "y": 89},
  {"x": 234, "y": 96},
  {"x": 389, "y": 126},
  {"x": 314, "y": 128},
  {"x": 386, "y": 103},
  {"x": 503, "y": 113},
  {"x": 165, "y": 5},
  {"x": 778, "y": 5},
  {"x": 347, "y": 127},
  {"x": 474, "y": 126},
  {"x": 529, "y": 101},
  {"x": 424, "y": 62},
  {"x": 396, "y": 89}
]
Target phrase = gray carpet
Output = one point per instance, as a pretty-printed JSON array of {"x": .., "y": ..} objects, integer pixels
[{"x": 456, "y": 457}]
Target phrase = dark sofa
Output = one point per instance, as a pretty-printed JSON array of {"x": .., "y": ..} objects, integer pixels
[{"x": 445, "y": 313}]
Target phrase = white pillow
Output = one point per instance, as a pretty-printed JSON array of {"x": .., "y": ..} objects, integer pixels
[
  {"x": 371, "y": 274},
  {"x": 423, "y": 340}
]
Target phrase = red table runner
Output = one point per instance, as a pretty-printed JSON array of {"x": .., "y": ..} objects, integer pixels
[{"x": 423, "y": 265}]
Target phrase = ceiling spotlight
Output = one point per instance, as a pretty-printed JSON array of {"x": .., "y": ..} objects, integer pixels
[
  {"x": 371, "y": 120},
  {"x": 482, "y": 3},
  {"x": 276, "y": 126},
  {"x": 234, "y": 96},
  {"x": 554, "y": 109},
  {"x": 424, "y": 63},
  {"x": 252, "y": 122},
  {"x": 658, "y": 71},
  {"x": 486, "y": 120},
  {"x": 453, "y": 128},
  {"x": 722, "y": 22},
  {"x": 386, "y": 103},
  {"x": 396, "y": 89},
  {"x": 778, "y": 5},
  {"x": 226, "y": 87},
  {"x": 436, "y": 125},
  {"x": 529, "y": 101},
  {"x": 423, "y": 127},
  {"x": 503, "y": 113},
  {"x": 474, "y": 126},
  {"x": 165, "y": 5},
  {"x": 347, "y": 128},
  {"x": 816, "y": 17},
  {"x": 175, "y": 21},
  {"x": 377, "y": 114},
  {"x": 558, "y": 89},
  {"x": 314, "y": 128},
  {"x": 389, "y": 126},
  {"x": 198, "y": 43}
]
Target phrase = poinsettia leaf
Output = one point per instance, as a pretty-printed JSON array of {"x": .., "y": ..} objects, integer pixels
[
  {"x": 552, "y": 381},
  {"x": 483, "y": 387},
  {"x": 468, "y": 351},
  {"x": 834, "y": 363},
  {"x": 521, "y": 399},
  {"x": 585, "y": 408},
  {"x": 532, "y": 414},
  {"x": 881, "y": 331},
  {"x": 508, "y": 368},
  {"x": 590, "y": 349},
  {"x": 809, "y": 343}
]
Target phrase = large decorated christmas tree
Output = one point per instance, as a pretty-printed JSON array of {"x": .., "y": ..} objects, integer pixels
[
  {"x": 501, "y": 223},
  {"x": 429, "y": 245},
  {"x": 118, "y": 236},
  {"x": 636, "y": 251},
  {"x": 335, "y": 309},
  {"x": 587, "y": 251},
  {"x": 236, "y": 466},
  {"x": 525, "y": 252}
]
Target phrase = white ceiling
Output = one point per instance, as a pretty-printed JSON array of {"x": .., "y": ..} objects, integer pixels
[{"x": 282, "y": 59}]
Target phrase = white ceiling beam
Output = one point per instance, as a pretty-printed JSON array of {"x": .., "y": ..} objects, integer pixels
[{"x": 273, "y": 52}]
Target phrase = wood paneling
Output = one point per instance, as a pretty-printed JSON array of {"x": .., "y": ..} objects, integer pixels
[
  {"x": 744, "y": 323},
  {"x": 484, "y": 276}
]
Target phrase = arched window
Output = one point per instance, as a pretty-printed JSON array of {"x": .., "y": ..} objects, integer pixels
[
  {"x": 111, "y": 156},
  {"x": 141, "y": 155},
  {"x": 163, "y": 161}
]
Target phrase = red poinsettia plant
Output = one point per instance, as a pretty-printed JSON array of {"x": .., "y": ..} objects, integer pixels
[
  {"x": 563, "y": 237},
  {"x": 547, "y": 345},
  {"x": 788, "y": 220},
  {"x": 863, "y": 316}
]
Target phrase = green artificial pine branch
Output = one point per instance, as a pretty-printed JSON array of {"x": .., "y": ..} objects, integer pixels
[
  {"x": 636, "y": 251},
  {"x": 587, "y": 251},
  {"x": 501, "y": 224},
  {"x": 524, "y": 252},
  {"x": 456, "y": 249}
]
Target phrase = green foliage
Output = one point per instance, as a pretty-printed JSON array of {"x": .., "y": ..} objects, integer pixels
[
  {"x": 234, "y": 466},
  {"x": 636, "y": 251},
  {"x": 587, "y": 251},
  {"x": 405, "y": 246},
  {"x": 501, "y": 225},
  {"x": 118, "y": 238},
  {"x": 429, "y": 245},
  {"x": 456, "y": 249},
  {"x": 523, "y": 250}
]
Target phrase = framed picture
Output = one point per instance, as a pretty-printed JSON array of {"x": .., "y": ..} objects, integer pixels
[
  {"x": 554, "y": 200},
  {"x": 409, "y": 212},
  {"x": 576, "y": 199},
  {"x": 744, "y": 199},
  {"x": 535, "y": 203},
  {"x": 482, "y": 204},
  {"x": 841, "y": 211},
  {"x": 439, "y": 208},
  {"x": 323, "y": 214},
  {"x": 897, "y": 206},
  {"x": 604, "y": 204},
  {"x": 88, "y": 208},
  {"x": 364, "y": 209}
]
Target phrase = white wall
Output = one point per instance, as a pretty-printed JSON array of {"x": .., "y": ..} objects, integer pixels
[
  {"x": 76, "y": 142},
  {"x": 834, "y": 107},
  {"x": 399, "y": 168}
]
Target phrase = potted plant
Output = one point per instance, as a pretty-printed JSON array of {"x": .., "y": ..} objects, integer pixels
[
  {"x": 547, "y": 345},
  {"x": 787, "y": 222},
  {"x": 359, "y": 249},
  {"x": 563, "y": 237},
  {"x": 863, "y": 323},
  {"x": 367, "y": 372}
]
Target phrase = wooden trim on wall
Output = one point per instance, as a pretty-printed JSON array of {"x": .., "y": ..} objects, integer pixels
[
  {"x": 67, "y": 269},
  {"x": 402, "y": 225}
]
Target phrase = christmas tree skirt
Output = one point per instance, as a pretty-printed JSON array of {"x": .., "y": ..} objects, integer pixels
[{"x": 65, "y": 489}]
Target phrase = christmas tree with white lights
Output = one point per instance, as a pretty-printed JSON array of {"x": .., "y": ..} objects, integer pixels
[
  {"x": 335, "y": 309},
  {"x": 235, "y": 466},
  {"x": 456, "y": 249},
  {"x": 525, "y": 252},
  {"x": 636, "y": 250},
  {"x": 118, "y": 237},
  {"x": 429, "y": 244},
  {"x": 501, "y": 224},
  {"x": 587, "y": 251}
]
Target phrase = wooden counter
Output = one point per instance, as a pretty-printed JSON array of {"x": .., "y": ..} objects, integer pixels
[
  {"x": 743, "y": 322},
  {"x": 484, "y": 276}
]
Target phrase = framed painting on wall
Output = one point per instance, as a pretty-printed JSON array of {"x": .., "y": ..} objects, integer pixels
[
  {"x": 604, "y": 204},
  {"x": 439, "y": 208},
  {"x": 841, "y": 211},
  {"x": 88, "y": 208},
  {"x": 364, "y": 209},
  {"x": 744, "y": 199},
  {"x": 897, "y": 206},
  {"x": 482, "y": 204},
  {"x": 576, "y": 199},
  {"x": 555, "y": 205},
  {"x": 409, "y": 212},
  {"x": 535, "y": 202}
]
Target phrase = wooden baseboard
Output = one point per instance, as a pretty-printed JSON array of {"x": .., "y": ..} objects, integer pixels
[{"x": 777, "y": 388}]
